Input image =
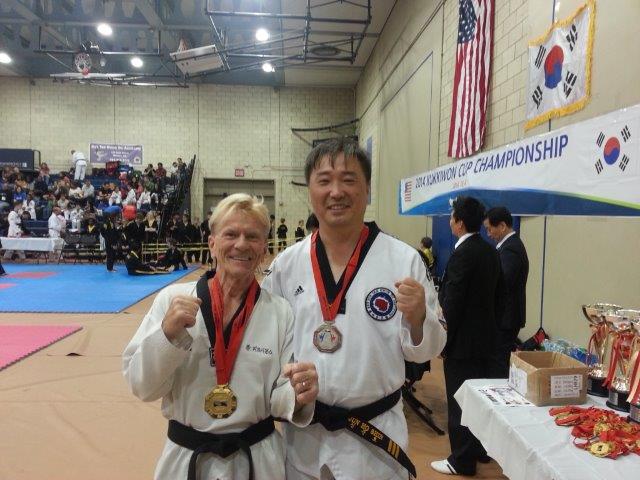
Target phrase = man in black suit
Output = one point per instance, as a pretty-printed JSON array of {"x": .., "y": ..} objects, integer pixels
[
  {"x": 469, "y": 297},
  {"x": 515, "y": 269}
]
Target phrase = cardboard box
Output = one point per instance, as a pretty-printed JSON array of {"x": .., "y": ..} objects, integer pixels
[{"x": 548, "y": 378}]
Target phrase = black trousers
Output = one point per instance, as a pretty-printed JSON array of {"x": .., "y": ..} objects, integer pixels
[
  {"x": 465, "y": 448},
  {"x": 282, "y": 244},
  {"x": 505, "y": 344},
  {"x": 111, "y": 255},
  {"x": 193, "y": 255},
  {"x": 206, "y": 256}
]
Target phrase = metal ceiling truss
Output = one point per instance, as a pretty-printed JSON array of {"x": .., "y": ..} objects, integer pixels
[
  {"x": 275, "y": 50},
  {"x": 288, "y": 47}
]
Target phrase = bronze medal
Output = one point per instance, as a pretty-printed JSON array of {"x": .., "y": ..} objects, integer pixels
[
  {"x": 220, "y": 402},
  {"x": 327, "y": 338}
]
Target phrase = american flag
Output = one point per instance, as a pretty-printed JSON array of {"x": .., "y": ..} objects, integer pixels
[
  {"x": 407, "y": 190},
  {"x": 471, "y": 80}
]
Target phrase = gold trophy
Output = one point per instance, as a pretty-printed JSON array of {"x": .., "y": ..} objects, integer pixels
[
  {"x": 618, "y": 378},
  {"x": 599, "y": 345},
  {"x": 634, "y": 393}
]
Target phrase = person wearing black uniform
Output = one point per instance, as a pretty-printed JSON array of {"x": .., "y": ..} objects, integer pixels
[
  {"x": 282, "y": 235},
  {"x": 135, "y": 266},
  {"x": 272, "y": 224},
  {"x": 151, "y": 227},
  {"x": 205, "y": 231},
  {"x": 300, "y": 231},
  {"x": 111, "y": 234},
  {"x": 312, "y": 224},
  {"x": 470, "y": 296},
  {"x": 2, "y": 272},
  {"x": 192, "y": 235},
  {"x": 173, "y": 256},
  {"x": 134, "y": 231}
]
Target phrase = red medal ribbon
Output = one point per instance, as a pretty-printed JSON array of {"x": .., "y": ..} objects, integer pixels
[
  {"x": 330, "y": 310},
  {"x": 613, "y": 362},
  {"x": 634, "y": 394},
  {"x": 226, "y": 356}
]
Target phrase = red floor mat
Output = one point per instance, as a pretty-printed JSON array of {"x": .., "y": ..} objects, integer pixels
[{"x": 20, "y": 341}]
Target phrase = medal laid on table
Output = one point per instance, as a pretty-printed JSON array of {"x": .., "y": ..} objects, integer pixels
[
  {"x": 327, "y": 338},
  {"x": 221, "y": 402}
]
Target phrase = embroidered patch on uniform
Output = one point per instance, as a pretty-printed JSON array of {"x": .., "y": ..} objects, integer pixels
[{"x": 381, "y": 304}]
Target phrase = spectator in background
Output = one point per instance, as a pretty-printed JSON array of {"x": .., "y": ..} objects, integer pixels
[
  {"x": 173, "y": 256},
  {"x": 40, "y": 185},
  {"x": 62, "y": 202},
  {"x": 205, "y": 231},
  {"x": 56, "y": 223},
  {"x": 80, "y": 165},
  {"x": 75, "y": 192},
  {"x": 88, "y": 192},
  {"x": 300, "y": 231},
  {"x": 44, "y": 172},
  {"x": 282, "y": 235},
  {"x": 29, "y": 205},
  {"x": 115, "y": 198},
  {"x": 131, "y": 197},
  {"x": 149, "y": 170},
  {"x": 312, "y": 224},
  {"x": 144, "y": 201},
  {"x": 135, "y": 231},
  {"x": 161, "y": 176},
  {"x": 19, "y": 195},
  {"x": 272, "y": 226},
  {"x": 75, "y": 216},
  {"x": 151, "y": 227},
  {"x": 192, "y": 235},
  {"x": 427, "y": 254}
]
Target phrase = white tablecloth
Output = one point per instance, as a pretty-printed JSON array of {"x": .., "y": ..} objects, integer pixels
[
  {"x": 528, "y": 445},
  {"x": 32, "y": 244}
]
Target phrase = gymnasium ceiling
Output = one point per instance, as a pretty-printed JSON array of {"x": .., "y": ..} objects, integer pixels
[{"x": 312, "y": 42}]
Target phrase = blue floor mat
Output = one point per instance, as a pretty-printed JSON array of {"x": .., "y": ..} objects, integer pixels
[{"x": 76, "y": 288}]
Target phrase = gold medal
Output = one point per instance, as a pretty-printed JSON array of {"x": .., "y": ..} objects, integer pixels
[
  {"x": 220, "y": 402},
  {"x": 600, "y": 449}
]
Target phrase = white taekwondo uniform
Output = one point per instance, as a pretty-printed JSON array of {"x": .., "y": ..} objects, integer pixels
[
  {"x": 370, "y": 363},
  {"x": 155, "y": 368}
]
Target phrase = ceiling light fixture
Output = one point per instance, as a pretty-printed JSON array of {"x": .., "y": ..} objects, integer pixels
[
  {"x": 262, "y": 35},
  {"x": 5, "y": 58},
  {"x": 105, "y": 29},
  {"x": 268, "y": 68},
  {"x": 136, "y": 62}
]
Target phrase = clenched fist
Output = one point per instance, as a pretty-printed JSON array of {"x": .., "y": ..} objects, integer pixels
[
  {"x": 304, "y": 379},
  {"x": 412, "y": 304},
  {"x": 182, "y": 313}
]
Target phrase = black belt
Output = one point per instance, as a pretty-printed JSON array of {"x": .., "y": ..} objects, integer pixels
[
  {"x": 356, "y": 420},
  {"x": 223, "y": 444}
]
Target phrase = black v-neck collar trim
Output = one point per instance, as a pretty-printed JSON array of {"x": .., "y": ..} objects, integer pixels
[
  {"x": 331, "y": 287},
  {"x": 202, "y": 290}
]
